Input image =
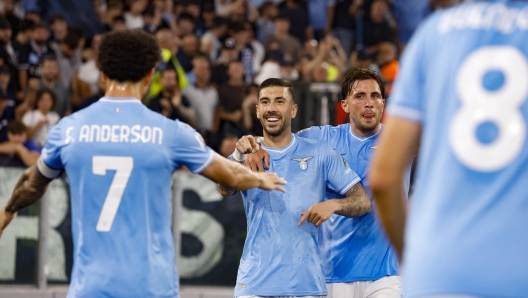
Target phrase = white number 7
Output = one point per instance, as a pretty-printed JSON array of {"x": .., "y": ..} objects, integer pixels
[{"x": 123, "y": 166}]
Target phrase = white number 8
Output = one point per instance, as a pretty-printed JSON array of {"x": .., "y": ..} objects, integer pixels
[{"x": 500, "y": 107}]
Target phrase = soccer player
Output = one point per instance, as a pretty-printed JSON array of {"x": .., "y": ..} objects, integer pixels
[
  {"x": 281, "y": 255},
  {"x": 462, "y": 94},
  {"x": 119, "y": 157},
  {"x": 359, "y": 259}
]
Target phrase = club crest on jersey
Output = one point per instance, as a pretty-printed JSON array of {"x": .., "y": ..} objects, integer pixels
[{"x": 303, "y": 162}]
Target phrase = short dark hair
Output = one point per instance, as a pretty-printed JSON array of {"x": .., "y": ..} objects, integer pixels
[
  {"x": 118, "y": 62},
  {"x": 57, "y": 17},
  {"x": 275, "y": 82},
  {"x": 43, "y": 91},
  {"x": 48, "y": 57},
  {"x": 71, "y": 40},
  {"x": 39, "y": 26},
  {"x": 26, "y": 25},
  {"x": 4, "y": 24},
  {"x": 120, "y": 19},
  {"x": 186, "y": 16},
  {"x": 16, "y": 127},
  {"x": 360, "y": 74}
]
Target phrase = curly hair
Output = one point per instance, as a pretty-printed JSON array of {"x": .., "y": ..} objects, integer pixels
[
  {"x": 360, "y": 74},
  {"x": 128, "y": 56}
]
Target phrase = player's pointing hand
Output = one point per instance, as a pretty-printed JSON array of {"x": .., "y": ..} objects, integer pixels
[
  {"x": 319, "y": 213},
  {"x": 247, "y": 145},
  {"x": 270, "y": 181}
]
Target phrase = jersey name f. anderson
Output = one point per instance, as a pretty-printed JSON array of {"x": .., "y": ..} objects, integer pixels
[{"x": 119, "y": 157}]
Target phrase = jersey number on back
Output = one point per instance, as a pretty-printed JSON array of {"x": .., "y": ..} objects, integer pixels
[
  {"x": 123, "y": 166},
  {"x": 498, "y": 108}
]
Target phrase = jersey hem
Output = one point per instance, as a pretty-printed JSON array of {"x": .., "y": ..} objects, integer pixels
[
  {"x": 206, "y": 164},
  {"x": 354, "y": 279},
  {"x": 257, "y": 293},
  {"x": 405, "y": 113}
]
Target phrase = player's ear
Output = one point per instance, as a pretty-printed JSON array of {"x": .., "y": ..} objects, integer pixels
[
  {"x": 344, "y": 105},
  {"x": 294, "y": 110},
  {"x": 258, "y": 112},
  {"x": 104, "y": 78}
]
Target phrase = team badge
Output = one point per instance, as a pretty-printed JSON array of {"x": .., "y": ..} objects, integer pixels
[{"x": 303, "y": 162}]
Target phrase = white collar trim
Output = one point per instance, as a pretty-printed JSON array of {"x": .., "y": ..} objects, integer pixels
[
  {"x": 120, "y": 99},
  {"x": 362, "y": 139},
  {"x": 290, "y": 145}
]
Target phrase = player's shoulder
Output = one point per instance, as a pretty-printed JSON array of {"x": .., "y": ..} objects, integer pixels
[{"x": 314, "y": 145}]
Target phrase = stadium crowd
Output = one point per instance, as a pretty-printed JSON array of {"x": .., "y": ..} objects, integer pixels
[{"x": 214, "y": 56}]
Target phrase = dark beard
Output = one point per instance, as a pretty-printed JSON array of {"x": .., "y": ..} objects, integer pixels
[{"x": 40, "y": 42}]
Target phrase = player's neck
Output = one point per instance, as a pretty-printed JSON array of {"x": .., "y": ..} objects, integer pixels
[
  {"x": 279, "y": 141},
  {"x": 363, "y": 133},
  {"x": 124, "y": 90}
]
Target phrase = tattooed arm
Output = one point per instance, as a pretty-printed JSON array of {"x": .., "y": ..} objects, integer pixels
[
  {"x": 356, "y": 203},
  {"x": 29, "y": 189}
]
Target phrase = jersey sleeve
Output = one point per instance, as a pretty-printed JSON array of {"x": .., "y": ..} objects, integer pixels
[
  {"x": 189, "y": 148},
  {"x": 407, "y": 98},
  {"x": 340, "y": 178},
  {"x": 50, "y": 164},
  {"x": 314, "y": 132}
]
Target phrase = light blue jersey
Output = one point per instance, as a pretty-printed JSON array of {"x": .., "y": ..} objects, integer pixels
[
  {"x": 355, "y": 249},
  {"x": 119, "y": 157},
  {"x": 281, "y": 258},
  {"x": 464, "y": 78}
]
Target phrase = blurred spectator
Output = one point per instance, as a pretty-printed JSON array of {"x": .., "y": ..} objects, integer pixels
[
  {"x": 208, "y": 15},
  {"x": 167, "y": 42},
  {"x": 388, "y": 63},
  {"x": 363, "y": 59},
  {"x": 376, "y": 27},
  {"x": 225, "y": 8},
  {"x": 231, "y": 96},
  {"x": 243, "y": 43},
  {"x": 270, "y": 68},
  {"x": 86, "y": 102},
  {"x": 210, "y": 43},
  {"x": 290, "y": 45},
  {"x": 134, "y": 17},
  {"x": 30, "y": 55},
  {"x": 34, "y": 16},
  {"x": 24, "y": 35},
  {"x": 170, "y": 102},
  {"x": 288, "y": 70},
  {"x": 68, "y": 57},
  {"x": 12, "y": 7},
  {"x": 114, "y": 9},
  {"x": 249, "y": 111},
  {"x": 18, "y": 146},
  {"x": 151, "y": 21},
  {"x": 59, "y": 28},
  {"x": 189, "y": 49},
  {"x": 228, "y": 53},
  {"x": 245, "y": 13},
  {"x": 194, "y": 9},
  {"x": 259, "y": 52},
  {"x": 330, "y": 59},
  {"x": 88, "y": 76},
  {"x": 344, "y": 26},
  {"x": 8, "y": 54},
  {"x": 50, "y": 80},
  {"x": 185, "y": 24},
  {"x": 42, "y": 118},
  {"x": 7, "y": 114},
  {"x": 265, "y": 25},
  {"x": 203, "y": 97},
  {"x": 298, "y": 16},
  {"x": 228, "y": 145},
  {"x": 5, "y": 89},
  {"x": 321, "y": 14},
  {"x": 118, "y": 23}
]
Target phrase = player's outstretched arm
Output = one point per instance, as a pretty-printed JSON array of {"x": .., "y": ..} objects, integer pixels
[
  {"x": 249, "y": 152},
  {"x": 29, "y": 188},
  {"x": 398, "y": 144},
  {"x": 356, "y": 203},
  {"x": 234, "y": 176}
]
